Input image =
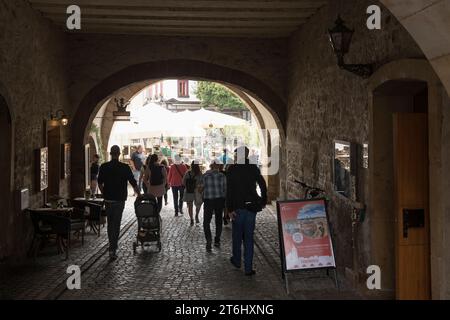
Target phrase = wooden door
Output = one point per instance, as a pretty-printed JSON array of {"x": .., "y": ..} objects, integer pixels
[{"x": 411, "y": 206}]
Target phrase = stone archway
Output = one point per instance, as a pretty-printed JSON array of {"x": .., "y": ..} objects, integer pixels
[
  {"x": 6, "y": 176},
  {"x": 439, "y": 168},
  {"x": 151, "y": 71},
  {"x": 429, "y": 24}
]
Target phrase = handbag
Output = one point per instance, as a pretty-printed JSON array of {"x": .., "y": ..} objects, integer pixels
[{"x": 255, "y": 205}]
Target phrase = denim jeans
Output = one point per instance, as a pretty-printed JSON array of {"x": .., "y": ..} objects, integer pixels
[
  {"x": 213, "y": 206},
  {"x": 243, "y": 230},
  {"x": 178, "y": 193},
  {"x": 136, "y": 175},
  {"x": 114, "y": 211}
]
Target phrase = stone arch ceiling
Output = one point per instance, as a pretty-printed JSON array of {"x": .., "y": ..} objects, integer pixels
[
  {"x": 428, "y": 22},
  {"x": 237, "y": 18}
]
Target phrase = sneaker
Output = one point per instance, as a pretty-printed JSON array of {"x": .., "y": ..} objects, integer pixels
[
  {"x": 234, "y": 264},
  {"x": 197, "y": 220},
  {"x": 192, "y": 223},
  {"x": 251, "y": 273},
  {"x": 217, "y": 244},
  {"x": 208, "y": 247}
]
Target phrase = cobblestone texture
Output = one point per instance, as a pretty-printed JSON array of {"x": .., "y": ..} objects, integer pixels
[{"x": 182, "y": 270}]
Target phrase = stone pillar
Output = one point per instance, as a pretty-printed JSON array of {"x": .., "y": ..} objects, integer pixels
[{"x": 439, "y": 141}]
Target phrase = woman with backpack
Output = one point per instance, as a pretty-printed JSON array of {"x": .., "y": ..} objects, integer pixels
[
  {"x": 155, "y": 178},
  {"x": 192, "y": 181}
]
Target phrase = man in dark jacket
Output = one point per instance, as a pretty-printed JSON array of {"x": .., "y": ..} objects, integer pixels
[
  {"x": 113, "y": 181},
  {"x": 243, "y": 202}
]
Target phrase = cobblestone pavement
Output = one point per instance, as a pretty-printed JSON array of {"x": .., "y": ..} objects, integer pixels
[{"x": 182, "y": 270}]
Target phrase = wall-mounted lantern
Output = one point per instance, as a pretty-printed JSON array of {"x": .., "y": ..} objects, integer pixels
[
  {"x": 341, "y": 38},
  {"x": 59, "y": 117}
]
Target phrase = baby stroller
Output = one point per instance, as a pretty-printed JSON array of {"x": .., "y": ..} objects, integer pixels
[{"x": 149, "y": 222}]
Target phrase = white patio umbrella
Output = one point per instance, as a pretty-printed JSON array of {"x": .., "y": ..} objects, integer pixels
[
  {"x": 206, "y": 118},
  {"x": 154, "y": 121}
]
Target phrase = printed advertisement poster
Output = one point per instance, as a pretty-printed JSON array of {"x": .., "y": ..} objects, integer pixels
[{"x": 305, "y": 235}]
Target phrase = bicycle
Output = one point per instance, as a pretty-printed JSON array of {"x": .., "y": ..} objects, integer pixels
[{"x": 311, "y": 192}]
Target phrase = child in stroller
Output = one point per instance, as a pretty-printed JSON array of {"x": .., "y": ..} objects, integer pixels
[{"x": 149, "y": 222}]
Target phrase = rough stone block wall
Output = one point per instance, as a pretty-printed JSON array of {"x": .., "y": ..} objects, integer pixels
[
  {"x": 32, "y": 71},
  {"x": 326, "y": 103},
  {"x": 95, "y": 57}
]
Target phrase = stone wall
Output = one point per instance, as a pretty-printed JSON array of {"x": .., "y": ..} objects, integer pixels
[
  {"x": 100, "y": 65},
  {"x": 326, "y": 103},
  {"x": 96, "y": 57},
  {"x": 32, "y": 72}
]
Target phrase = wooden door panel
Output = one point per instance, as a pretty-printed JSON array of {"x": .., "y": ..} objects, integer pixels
[
  {"x": 411, "y": 206},
  {"x": 413, "y": 281}
]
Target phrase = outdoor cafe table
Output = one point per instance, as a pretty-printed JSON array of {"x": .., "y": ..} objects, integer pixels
[
  {"x": 65, "y": 212},
  {"x": 99, "y": 201},
  {"x": 61, "y": 212}
]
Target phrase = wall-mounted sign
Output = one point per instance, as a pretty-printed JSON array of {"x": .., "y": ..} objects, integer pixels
[
  {"x": 365, "y": 155},
  {"x": 42, "y": 168},
  {"x": 305, "y": 235}
]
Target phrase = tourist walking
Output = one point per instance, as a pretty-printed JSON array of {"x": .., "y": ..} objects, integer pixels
[
  {"x": 192, "y": 182},
  {"x": 243, "y": 202},
  {"x": 112, "y": 181},
  {"x": 175, "y": 178},
  {"x": 95, "y": 167},
  {"x": 155, "y": 178},
  {"x": 214, "y": 192},
  {"x": 136, "y": 162},
  {"x": 226, "y": 218},
  {"x": 166, "y": 165}
]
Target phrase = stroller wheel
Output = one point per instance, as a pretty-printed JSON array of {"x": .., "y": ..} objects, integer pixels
[{"x": 159, "y": 247}]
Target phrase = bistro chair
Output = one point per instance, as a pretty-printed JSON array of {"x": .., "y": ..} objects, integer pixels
[
  {"x": 62, "y": 227},
  {"x": 95, "y": 217},
  {"x": 42, "y": 232}
]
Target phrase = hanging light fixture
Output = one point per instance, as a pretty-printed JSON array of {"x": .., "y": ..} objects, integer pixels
[
  {"x": 341, "y": 38},
  {"x": 59, "y": 117}
]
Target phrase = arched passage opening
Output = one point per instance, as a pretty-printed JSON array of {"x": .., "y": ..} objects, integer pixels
[
  {"x": 258, "y": 96},
  {"x": 407, "y": 178}
]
